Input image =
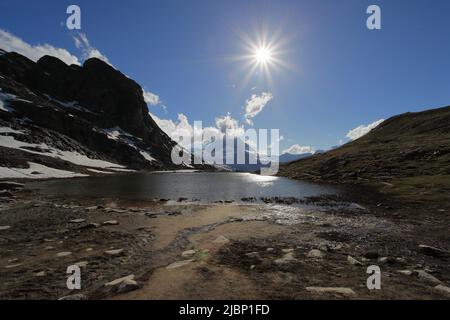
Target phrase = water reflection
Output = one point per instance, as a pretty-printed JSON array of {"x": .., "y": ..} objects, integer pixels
[{"x": 192, "y": 185}]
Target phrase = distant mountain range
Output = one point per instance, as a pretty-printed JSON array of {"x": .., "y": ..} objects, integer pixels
[{"x": 86, "y": 119}]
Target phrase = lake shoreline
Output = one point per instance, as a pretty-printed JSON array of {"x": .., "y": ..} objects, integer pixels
[{"x": 224, "y": 250}]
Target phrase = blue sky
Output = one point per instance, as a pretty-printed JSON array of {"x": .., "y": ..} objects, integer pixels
[{"x": 337, "y": 74}]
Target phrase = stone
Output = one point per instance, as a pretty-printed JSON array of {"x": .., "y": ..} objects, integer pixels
[
  {"x": 353, "y": 261},
  {"x": 405, "y": 272},
  {"x": 77, "y": 221},
  {"x": 270, "y": 249},
  {"x": 127, "y": 285},
  {"x": 89, "y": 249},
  {"x": 63, "y": 254},
  {"x": 287, "y": 250},
  {"x": 110, "y": 223},
  {"x": 332, "y": 290},
  {"x": 425, "y": 276},
  {"x": 4, "y": 228},
  {"x": 40, "y": 274},
  {"x": 388, "y": 260},
  {"x": 221, "y": 240},
  {"x": 188, "y": 253},
  {"x": 433, "y": 251},
  {"x": 111, "y": 210},
  {"x": 443, "y": 289},
  {"x": 82, "y": 264},
  {"x": 287, "y": 258},
  {"x": 253, "y": 255},
  {"x": 78, "y": 296},
  {"x": 13, "y": 260},
  {"x": 12, "y": 266},
  {"x": 179, "y": 264},
  {"x": 114, "y": 252},
  {"x": 315, "y": 254},
  {"x": 92, "y": 208},
  {"x": 49, "y": 248},
  {"x": 119, "y": 280}
]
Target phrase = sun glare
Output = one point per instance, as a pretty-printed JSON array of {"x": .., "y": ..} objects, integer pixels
[{"x": 263, "y": 55}]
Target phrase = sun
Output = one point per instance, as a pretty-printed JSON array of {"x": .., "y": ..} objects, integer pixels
[{"x": 263, "y": 55}]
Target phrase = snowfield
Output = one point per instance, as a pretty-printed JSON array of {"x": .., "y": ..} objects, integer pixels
[
  {"x": 37, "y": 171},
  {"x": 70, "y": 156}
]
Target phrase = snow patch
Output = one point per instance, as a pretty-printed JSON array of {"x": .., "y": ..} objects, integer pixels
[
  {"x": 147, "y": 156},
  {"x": 10, "y": 130},
  {"x": 70, "y": 156},
  {"x": 4, "y": 98},
  {"x": 37, "y": 171},
  {"x": 99, "y": 171},
  {"x": 69, "y": 104}
]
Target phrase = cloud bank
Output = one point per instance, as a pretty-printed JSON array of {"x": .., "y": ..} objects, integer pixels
[
  {"x": 362, "y": 130},
  {"x": 10, "y": 42},
  {"x": 298, "y": 149}
]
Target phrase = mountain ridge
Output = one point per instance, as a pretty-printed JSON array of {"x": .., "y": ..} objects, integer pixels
[{"x": 93, "y": 110}]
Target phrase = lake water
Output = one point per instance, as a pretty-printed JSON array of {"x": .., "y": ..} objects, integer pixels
[{"x": 203, "y": 186}]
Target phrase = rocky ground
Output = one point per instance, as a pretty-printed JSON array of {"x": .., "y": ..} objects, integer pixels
[{"x": 283, "y": 248}]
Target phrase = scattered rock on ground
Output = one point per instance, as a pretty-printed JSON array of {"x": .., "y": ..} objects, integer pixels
[
  {"x": 405, "y": 272},
  {"x": 353, "y": 261},
  {"x": 77, "y": 220},
  {"x": 127, "y": 285},
  {"x": 341, "y": 291},
  {"x": 287, "y": 258},
  {"x": 188, "y": 253},
  {"x": 119, "y": 281},
  {"x": 178, "y": 264},
  {"x": 63, "y": 254},
  {"x": 425, "y": 276},
  {"x": 314, "y": 253},
  {"x": 114, "y": 252},
  {"x": 443, "y": 289},
  {"x": 4, "y": 228},
  {"x": 221, "y": 240},
  {"x": 110, "y": 223},
  {"x": 432, "y": 251},
  {"x": 78, "y": 296}
]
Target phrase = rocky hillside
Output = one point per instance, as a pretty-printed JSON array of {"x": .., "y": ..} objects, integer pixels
[
  {"x": 412, "y": 146},
  {"x": 89, "y": 117}
]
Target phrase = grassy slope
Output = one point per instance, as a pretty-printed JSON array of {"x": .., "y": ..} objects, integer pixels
[{"x": 407, "y": 155}]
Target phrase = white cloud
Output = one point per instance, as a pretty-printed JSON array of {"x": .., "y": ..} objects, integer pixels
[
  {"x": 10, "y": 42},
  {"x": 153, "y": 99},
  {"x": 88, "y": 51},
  {"x": 230, "y": 126},
  {"x": 182, "y": 127},
  {"x": 297, "y": 149},
  {"x": 255, "y": 105},
  {"x": 362, "y": 130}
]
